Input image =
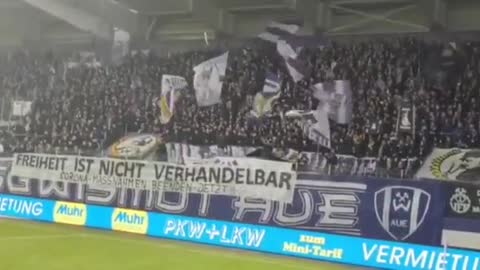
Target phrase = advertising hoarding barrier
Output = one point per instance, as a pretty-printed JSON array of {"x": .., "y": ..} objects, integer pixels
[{"x": 281, "y": 241}]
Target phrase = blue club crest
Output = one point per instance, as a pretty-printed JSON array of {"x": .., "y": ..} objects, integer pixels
[{"x": 401, "y": 210}]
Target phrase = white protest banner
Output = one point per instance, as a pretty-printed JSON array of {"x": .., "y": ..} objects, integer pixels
[{"x": 240, "y": 177}]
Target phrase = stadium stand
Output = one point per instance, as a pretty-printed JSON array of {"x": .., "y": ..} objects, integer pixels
[{"x": 85, "y": 108}]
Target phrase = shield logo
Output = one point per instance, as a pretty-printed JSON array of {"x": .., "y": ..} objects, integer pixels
[{"x": 401, "y": 210}]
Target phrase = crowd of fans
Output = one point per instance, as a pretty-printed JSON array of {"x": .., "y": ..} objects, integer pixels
[{"x": 88, "y": 108}]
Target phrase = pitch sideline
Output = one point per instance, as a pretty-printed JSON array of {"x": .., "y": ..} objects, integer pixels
[{"x": 164, "y": 243}]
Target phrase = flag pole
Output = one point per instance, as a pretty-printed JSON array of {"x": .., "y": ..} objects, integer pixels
[
  {"x": 399, "y": 108},
  {"x": 2, "y": 106},
  {"x": 414, "y": 116}
]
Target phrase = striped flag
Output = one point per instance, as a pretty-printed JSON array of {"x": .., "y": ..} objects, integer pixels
[
  {"x": 296, "y": 68},
  {"x": 276, "y": 31},
  {"x": 272, "y": 83},
  {"x": 289, "y": 45}
]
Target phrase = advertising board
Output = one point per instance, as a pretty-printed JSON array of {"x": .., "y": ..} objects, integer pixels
[
  {"x": 132, "y": 221},
  {"x": 403, "y": 211},
  {"x": 316, "y": 246},
  {"x": 26, "y": 208},
  {"x": 70, "y": 213},
  {"x": 463, "y": 201}
]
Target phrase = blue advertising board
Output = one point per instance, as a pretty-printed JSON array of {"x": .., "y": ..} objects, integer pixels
[
  {"x": 376, "y": 208},
  {"x": 463, "y": 200},
  {"x": 409, "y": 211},
  {"x": 305, "y": 244},
  {"x": 26, "y": 208}
]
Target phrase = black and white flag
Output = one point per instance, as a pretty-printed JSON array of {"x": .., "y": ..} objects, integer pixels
[
  {"x": 289, "y": 45},
  {"x": 315, "y": 125},
  {"x": 406, "y": 118},
  {"x": 276, "y": 31}
]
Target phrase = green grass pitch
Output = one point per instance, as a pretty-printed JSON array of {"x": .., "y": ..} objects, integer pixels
[{"x": 38, "y": 246}]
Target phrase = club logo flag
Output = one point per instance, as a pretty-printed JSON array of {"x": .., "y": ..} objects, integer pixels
[
  {"x": 208, "y": 80},
  {"x": 336, "y": 99},
  {"x": 171, "y": 85},
  {"x": 452, "y": 164},
  {"x": 406, "y": 118},
  {"x": 134, "y": 146}
]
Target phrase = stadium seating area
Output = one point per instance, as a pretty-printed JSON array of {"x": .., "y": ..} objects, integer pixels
[{"x": 88, "y": 108}]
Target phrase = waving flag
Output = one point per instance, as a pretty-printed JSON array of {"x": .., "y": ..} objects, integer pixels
[
  {"x": 208, "y": 80},
  {"x": 315, "y": 125},
  {"x": 120, "y": 46},
  {"x": 297, "y": 69},
  {"x": 271, "y": 92},
  {"x": 290, "y": 46},
  {"x": 272, "y": 83},
  {"x": 335, "y": 99},
  {"x": 275, "y": 31},
  {"x": 170, "y": 86}
]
